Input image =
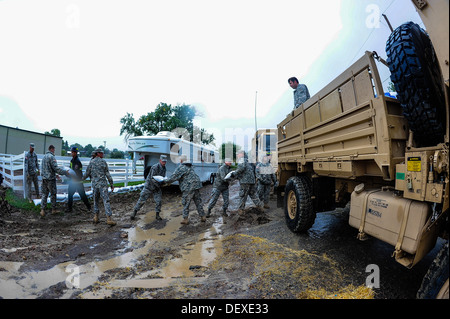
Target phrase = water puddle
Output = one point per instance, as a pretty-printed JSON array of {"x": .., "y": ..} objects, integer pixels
[{"x": 197, "y": 253}]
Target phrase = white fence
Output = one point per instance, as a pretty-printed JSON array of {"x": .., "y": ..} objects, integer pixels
[{"x": 12, "y": 169}]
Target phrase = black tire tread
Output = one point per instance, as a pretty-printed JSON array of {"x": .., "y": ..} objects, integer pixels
[
  {"x": 306, "y": 215},
  {"x": 418, "y": 81}
]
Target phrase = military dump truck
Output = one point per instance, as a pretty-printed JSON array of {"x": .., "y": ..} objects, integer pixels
[{"x": 386, "y": 158}]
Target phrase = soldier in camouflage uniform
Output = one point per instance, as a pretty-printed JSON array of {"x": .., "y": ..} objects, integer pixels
[
  {"x": 301, "y": 93},
  {"x": 265, "y": 176},
  {"x": 98, "y": 171},
  {"x": 190, "y": 185},
  {"x": 32, "y": 170},
  {"x": 220, "y": 187},
  {"x": 152, "y": 186},
  {"x": 246, "y": 175},
  {"x": 49, "y": 169}
]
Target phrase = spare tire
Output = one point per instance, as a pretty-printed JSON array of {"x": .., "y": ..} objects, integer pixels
[{"x": 417, "y": 78}]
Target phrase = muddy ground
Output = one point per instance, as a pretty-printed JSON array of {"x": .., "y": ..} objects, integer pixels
[{"x": 66, "y": 256}]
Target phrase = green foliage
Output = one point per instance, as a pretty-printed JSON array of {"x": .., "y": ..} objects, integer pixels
[
  {"x": 20, "y": 203},
  {"x": 166, "y": 118},
  {"x": 229, "y": 150}
]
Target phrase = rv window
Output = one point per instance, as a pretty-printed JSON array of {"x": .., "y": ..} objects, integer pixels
[
  {"x": 271, "y": 143},
  {"x": 174, "y": 148}
]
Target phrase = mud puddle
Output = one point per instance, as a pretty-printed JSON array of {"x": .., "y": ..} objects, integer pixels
[{"x": 179, "y": 257}]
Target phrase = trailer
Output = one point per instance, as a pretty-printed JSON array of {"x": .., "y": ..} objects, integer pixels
[{"x": 149, "y": 148}]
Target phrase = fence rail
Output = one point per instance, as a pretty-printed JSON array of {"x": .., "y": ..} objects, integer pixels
[{"x": 12, "y": 169}]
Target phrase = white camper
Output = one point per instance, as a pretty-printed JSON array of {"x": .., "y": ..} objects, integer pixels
[{"x": 204, "y": 158}]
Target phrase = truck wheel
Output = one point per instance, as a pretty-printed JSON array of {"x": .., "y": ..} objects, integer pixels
[
  {"x": 417, "y": 78},
  {"x": 298, "y": 207},
  {"x": 436, "y": 279}
]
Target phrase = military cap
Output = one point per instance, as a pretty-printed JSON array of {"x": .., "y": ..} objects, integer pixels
[{"x": 163, "y": 158}]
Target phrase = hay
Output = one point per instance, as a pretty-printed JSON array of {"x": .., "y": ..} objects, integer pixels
[{"x": 281, "y": 272}]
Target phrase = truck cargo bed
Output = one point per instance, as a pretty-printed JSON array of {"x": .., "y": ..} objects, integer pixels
[{"x": 347, "y": 122}]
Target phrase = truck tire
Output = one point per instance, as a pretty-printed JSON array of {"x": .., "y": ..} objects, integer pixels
[
  {"x": 437, "y": 276},
  {"x": 417, "y": 78},
  {"x": 298, "y": 207}
]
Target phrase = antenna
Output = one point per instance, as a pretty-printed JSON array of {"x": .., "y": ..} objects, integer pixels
[{"x": 256, "y": 97}]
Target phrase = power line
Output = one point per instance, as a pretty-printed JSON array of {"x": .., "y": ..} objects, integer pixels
[{"x": 371, "y": 32}]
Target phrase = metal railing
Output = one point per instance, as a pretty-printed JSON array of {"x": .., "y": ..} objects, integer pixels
[{"x": 121, "y": 170}]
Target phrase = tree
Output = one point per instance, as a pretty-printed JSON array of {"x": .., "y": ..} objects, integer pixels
[
  {"x": 54, "y": 132},
  {"x": 129, "y": 126},
  {"x": 159, "y": 120},
  {"x": 116, "y": 154},
  {"x": 88, "y": 149},
  {"x": 229, "y": 149},
  {"x": 57, "y": 132},
  {"x": 166, "y": 118},
  {"x": 391, "y": 87}
]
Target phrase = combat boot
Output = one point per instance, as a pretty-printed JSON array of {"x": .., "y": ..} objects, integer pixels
[
  {"x": 224, "y": 213},
  {"x": 185, "y": 221},
  {"x": 133, "y": 215},
  {"x": 208, "y": 214},
  {"x": 55, "y": 211},
  {"x": 42, "y": 212},
  {"x": 95, "y": 220},
  {"x": 109, "y": 221},
  {"x": 157, "y": 216},
  {"x": 203, "y": 219}
]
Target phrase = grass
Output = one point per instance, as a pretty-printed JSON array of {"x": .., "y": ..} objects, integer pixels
[{"x": 20, "y": 203}]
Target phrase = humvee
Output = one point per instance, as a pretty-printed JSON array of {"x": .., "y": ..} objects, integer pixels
[{"x": 386, "y": 158}]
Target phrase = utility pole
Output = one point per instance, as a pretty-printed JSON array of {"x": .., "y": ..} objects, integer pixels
[{"x": 256, "y": 96}]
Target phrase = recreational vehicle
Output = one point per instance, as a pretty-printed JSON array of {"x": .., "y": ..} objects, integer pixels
[
  {"x": 264, "y": 143},
  {"x": 205, "y": 159}
]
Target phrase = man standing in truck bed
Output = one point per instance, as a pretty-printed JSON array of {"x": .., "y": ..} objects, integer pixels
[{"x": 301, "y": 93}]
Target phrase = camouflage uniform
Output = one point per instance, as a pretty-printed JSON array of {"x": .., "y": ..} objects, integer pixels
[
  {"x": 301, "y": 94},
  {"x": 98, "y": 171},
  {"x": 246, "y": 175},
  {"x": 190, "y": 185},
  {"x": 220, "y": 187},
  {"x": 152, "y": 186},
  {"x": 31, "y": 167},
  {"x": 265, "y": 177},
  {"x": 49, "y": 169}
]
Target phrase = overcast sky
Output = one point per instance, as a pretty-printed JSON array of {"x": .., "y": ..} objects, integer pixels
[{"x": 80, "y": 66}]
